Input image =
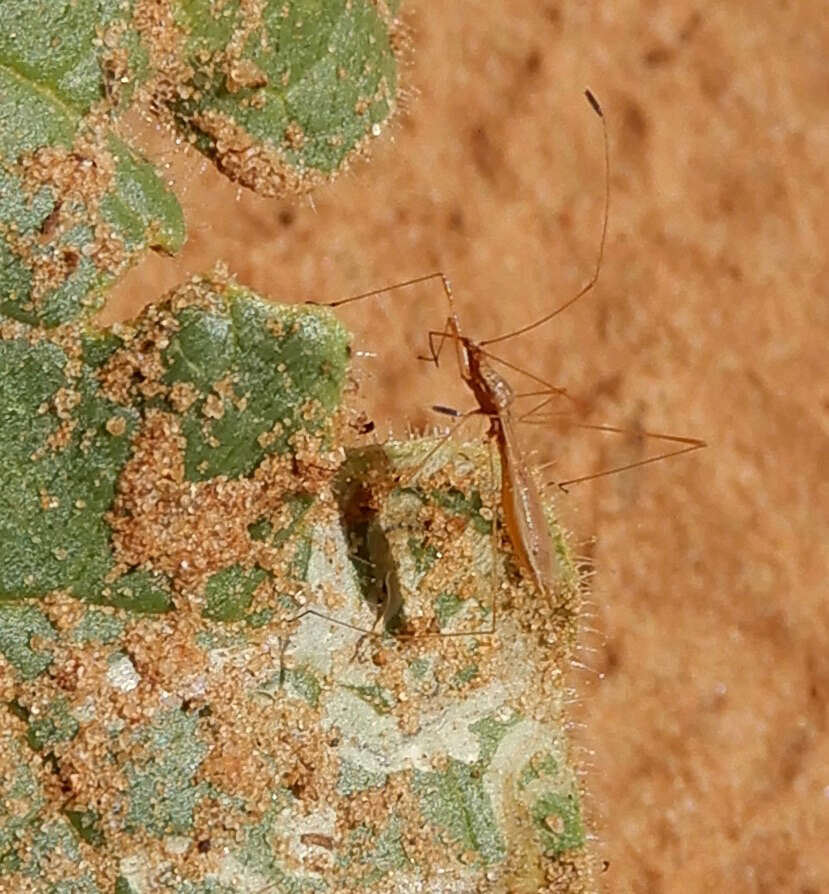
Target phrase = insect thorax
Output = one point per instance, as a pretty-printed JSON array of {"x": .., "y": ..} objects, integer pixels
[{"x": 492, "y": 390}]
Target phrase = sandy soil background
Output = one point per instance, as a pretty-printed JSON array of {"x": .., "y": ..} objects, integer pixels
[{"x": 703, "y": 714}]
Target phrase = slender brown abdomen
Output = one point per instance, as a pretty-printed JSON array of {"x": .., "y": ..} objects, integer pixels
[{"x": 523, "y": 513}]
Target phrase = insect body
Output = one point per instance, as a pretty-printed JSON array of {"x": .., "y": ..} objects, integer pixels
[{"x": 521, "y": 506}]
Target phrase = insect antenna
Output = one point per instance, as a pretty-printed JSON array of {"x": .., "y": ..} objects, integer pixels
[{"x": 594, "y": 104}]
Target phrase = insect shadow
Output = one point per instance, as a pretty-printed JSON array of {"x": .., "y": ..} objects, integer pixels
[{"x": 378, "y": 505}]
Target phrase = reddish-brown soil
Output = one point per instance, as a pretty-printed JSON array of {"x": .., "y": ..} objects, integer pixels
[{"x": 705, "y": 708}]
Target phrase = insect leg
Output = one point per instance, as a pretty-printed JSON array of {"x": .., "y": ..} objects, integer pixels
[
  {"x": 411, "y": 474},
  {"x": 437, "y": 274},
  {"x": 688, "y": 446}
]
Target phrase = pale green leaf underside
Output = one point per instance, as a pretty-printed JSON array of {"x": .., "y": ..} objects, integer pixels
[{"x": 479, "y": 792}]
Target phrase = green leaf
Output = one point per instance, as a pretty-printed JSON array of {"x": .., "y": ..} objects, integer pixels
[
  {"x": 160, "y": 782},
  {"x": 303, "y": 684},
  {"x": 19, "y": 624},
  {"x": 459, "y": 503},
  {"x": 284, "y": 368},
  {"x": 51, "y": 726},
  {"x": 558, "y": 817},
  {"x": 98, "y": 627},
  {"x": 455, "y": 799},
  {"x": 229, "y": 592},
  {"x": 238, "y": 378},
  {"x": 55, "y": 46},
  {"x": 87, "y": 824},
  {"x": 282, "y": 98},
  {"x": 62, "y": 446}
]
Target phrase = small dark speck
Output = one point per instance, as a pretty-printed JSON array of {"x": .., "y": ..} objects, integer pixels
[
  {"x": 734, "y": 272},
  {"x": 553, "y": 13},
  {"x": 71, "y": 258},
  {"x": 532, "y": 64},
  {"x": 456, "y": 221},
  {"x": 286, "y": 217},
  {"x": 635, "y": 121},
  {"x": 691, "y": 27},
  {"x": 656, "y": 56},
  {"x": 52, "y": 219},
  {"x": 612, "y": 659},
  {"x": 203, "y": 846},
  {"x": 484, "y": 154}
]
